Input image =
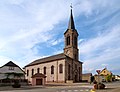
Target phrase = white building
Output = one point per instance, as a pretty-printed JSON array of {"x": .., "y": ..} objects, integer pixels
[{"x": 117, "y": 77}]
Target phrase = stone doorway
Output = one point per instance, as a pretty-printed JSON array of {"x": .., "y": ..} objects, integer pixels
[
  {"x": 75, "y": 77},
  {"x": 39, "y": 81}
]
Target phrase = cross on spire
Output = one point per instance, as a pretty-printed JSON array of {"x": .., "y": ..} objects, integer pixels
[
  {"x": 71, "y": 6},
  {"x": 71, "y": 20}
]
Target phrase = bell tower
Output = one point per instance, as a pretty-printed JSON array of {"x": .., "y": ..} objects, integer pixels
[{"x": 71, "y": 40}]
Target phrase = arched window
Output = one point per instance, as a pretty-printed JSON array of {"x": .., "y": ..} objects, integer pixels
[
  {"x": 79, "y": 70},
  {"x": 38, "y": 70},
  {"x": 75, "y": 66},
  {"x": 69, "y": 72},
  {"x": 68, "y": 40},
  {"x": 32, "y": 72},
  {"x": 52, "y": 69},
  {"x": 79, "y": 73},
  {"x": 44, "y": 70},
  {"x": 61, "y": 68},
  {"x": 27, "y": 72},
  {"x": 75, "y": 41},
  {"x": 69, "y": 69},
  {"x": 75, "y": 56}
]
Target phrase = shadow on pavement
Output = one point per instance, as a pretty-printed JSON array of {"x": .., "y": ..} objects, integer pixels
[{"x": 22, "y": 88}]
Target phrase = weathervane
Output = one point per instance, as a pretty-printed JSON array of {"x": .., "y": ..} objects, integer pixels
[{"x": 71, "y": 6}]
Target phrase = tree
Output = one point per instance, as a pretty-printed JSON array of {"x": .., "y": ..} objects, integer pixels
[
  {"x": 108, "y": 78},
  {"x": 92, "y": 79}
]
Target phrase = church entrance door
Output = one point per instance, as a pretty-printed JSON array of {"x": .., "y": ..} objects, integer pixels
[
  {"x": 39, "y": 82},
  {"x": 75, "y": 77}
]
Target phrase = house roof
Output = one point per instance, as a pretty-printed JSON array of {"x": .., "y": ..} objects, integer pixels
[
  {"x": 106, "y": 70},
  {"x": 49, "y": 59},
  {"x": 38, "y": 75},
  {"x": 10, "y": 63}
]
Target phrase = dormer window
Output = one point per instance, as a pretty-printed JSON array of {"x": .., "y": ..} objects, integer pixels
[{"x": 11, "y": 68}]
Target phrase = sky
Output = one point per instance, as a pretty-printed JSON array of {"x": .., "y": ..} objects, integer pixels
[{"x": 32, "y": 29}]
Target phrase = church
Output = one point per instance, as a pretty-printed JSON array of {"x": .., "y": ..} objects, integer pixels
[{"x": 61, "y": 68}]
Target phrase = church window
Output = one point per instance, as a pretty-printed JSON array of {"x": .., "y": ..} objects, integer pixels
[
  {"x": 75, "y": 66},
  {"x": 69, "y": 72},
  {"x": 27, "y": 72},
  {"x": 52, "y": 69},
  {"x": 79, "y": 70},
  {"x": 44, "y": 70},
  {"x": 61, "y": 68},
  {"x": 38, "y": 70},
  {"x": 32, "y": 72},
  {"x": 75, "y": 56},
  {"x": 79, "y": 73},
  {"x": 75, "y": 41},
  {"x": 69, "y": 69},
  {"x": 68, "y": 40}
]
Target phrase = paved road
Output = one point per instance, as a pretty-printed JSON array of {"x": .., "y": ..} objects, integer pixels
[
  {"x": 110, "y": 87},
  {"x": 62, "y": 89}
]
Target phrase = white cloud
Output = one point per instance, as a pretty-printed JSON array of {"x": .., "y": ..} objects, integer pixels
[
  {"x": 105, "y": 39},
  {"x": 102, "y": 49},
  {"x": 27, "y": 23}
]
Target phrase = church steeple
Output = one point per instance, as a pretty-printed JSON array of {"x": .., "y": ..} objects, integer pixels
[
  {"x": 71, "y": 22},
  {"x": 71, "y": 39}
]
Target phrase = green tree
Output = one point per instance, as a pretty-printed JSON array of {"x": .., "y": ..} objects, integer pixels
[{"x": 108, "y": 78}]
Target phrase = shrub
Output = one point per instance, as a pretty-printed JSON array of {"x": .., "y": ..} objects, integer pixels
[
  {"x": 99, "y": 86},
  {"x": 16, "y": 84}
]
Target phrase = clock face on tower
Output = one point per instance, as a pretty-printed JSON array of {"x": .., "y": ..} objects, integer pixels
[{"x": 67, "y": 52}]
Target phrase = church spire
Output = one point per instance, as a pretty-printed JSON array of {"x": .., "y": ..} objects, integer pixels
[{"x": 71, "y": 21}]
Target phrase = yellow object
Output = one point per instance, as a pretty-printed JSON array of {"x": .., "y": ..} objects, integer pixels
[{"x": 92, "y": 90}]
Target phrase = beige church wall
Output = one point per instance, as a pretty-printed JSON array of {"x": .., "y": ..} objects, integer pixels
[
  {"x": 56, "y": 77},
  {"x": 61, "y": 76}
]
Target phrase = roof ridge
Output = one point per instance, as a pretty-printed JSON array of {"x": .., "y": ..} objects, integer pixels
[{"x": 49, "y": 58}]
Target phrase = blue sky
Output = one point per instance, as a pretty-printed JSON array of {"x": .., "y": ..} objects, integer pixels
[{"x": 32, "y": 29}]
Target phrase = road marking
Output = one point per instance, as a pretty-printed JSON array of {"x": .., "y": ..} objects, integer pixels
[
  {"x": 81, "y": 90},
  {"x": 63, "y": 91},
  {"x": 75, "y": 90},
  {"x": 85, "y": 90}
]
